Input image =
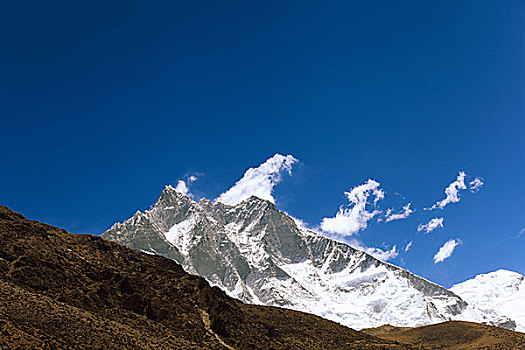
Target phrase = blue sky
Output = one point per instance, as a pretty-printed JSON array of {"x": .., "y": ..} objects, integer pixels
[{"x": 102, "y": 104}]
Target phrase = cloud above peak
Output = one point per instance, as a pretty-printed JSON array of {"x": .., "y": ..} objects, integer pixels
[
  {"x": 182, "y": 186},
  {"x": 348, "y": 221},
  {"x": 259, "y": 181},
  {"x": 452, "y": 192},
  {"x": 378, "y": 253},
  {"x": 383, "y": 255},
  {"x": 446, "y": 250}
]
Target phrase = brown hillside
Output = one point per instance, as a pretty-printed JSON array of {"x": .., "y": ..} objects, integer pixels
[
  {"x": 453, "y": 335},
  {"x": 65, "y": 291}
]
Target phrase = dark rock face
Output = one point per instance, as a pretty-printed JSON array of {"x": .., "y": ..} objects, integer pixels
[
  {"x": 258, "y": 254},
  {"x": 65, "y": 291}
]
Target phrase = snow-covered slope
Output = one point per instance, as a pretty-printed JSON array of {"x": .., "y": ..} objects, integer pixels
[
  {"x": 259, "y": 255},
  {"x": 502, "y": 291}
]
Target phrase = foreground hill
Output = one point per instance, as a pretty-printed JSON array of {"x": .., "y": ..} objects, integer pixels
[
  {"x": 453, "y": 335},
  {"x": 64, "y": 291},
  {"x": 258, "y": 254}
]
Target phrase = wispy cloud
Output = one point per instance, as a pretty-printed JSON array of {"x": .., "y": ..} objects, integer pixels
[
  {"x": 431, "y": 225},
  {"x": 408, "y": 246},
  {"x": 383, "y": 255},
  {"x": 378, "y": 253},
  {"x": 446, "y": 250},
  {"x": 259, "y": 181},
  {"x": 355, "y": 217},
  {"x": 406, "y": 212},
  {"x": 182, "y": 186},
  {"x": 475, "y": 185},
  {"x": 521, "y": 232},
  {"x": 452, "y": 192}
]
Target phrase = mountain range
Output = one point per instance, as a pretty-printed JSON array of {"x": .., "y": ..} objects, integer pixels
[
  {"x": 260, "y": 255},
  {"x": 65, "y": 291}
]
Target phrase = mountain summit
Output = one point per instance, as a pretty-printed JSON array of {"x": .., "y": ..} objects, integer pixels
[
  {"x": 502, "y": 291},
  {"x": 258, "y": 254}
]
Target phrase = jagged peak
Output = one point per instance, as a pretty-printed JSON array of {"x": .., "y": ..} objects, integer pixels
[
  {"x": 251, "y": 199},
  {"x": 205, "y": 201},
  {"x": 254, "y": 198},
  {"x": 169, "y": 189},
  {"x": 131, "y": 220},
  {"x": 171, "y": 192}
]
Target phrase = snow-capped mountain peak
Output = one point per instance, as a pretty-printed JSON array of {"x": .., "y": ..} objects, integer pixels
[
  {"x": 260, "y": 255},
  {"x": 502, "y": 291}
]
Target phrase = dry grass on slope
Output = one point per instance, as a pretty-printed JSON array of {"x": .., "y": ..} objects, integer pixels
[
  {"x": 454, "y": 335},
  {"x": 64, "y": 291}
]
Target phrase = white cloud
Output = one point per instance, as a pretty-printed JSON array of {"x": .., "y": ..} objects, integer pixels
[
  {"x": 452, "y": 192},
  {"x": 259, "y": 181},
  {"x": 377, "y": 253},
  {"x": 446, "y": 250},
  {"x": 380, "y": 194},
  {"x": 182, "y": 188},
  {"x": 406, "y": 212},
  {"x": 354, "y": 218},
  {"x": 431, "y": 225},
  {"x": 521, "y": 232},
  {"x": 383, "y": 255},
  {"x": 475, "y": 185},
  {"x": 408, "y": 246}
]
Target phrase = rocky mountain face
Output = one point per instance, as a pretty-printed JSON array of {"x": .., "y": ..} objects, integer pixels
[
  {"x": 501, "y": 291},
  {"x": 64, "y": 291},
  {"x": 259, "y": 255}
]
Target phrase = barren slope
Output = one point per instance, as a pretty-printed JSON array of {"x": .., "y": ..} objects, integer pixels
[
  {"x": 453, "y": 335},
  {"x": 60, "y": 290}
]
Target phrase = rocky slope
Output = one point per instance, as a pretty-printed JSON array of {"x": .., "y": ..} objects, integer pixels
[
  {"x": 260, "y": 255},
  {"x": 502, "y": 291},
  {"x": 64, "y": 291}
]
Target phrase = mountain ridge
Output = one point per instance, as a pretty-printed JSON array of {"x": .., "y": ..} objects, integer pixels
[
  {"x": 502, "y": 290},
  {"x": 65, "y": 291},
  {"x": 260, "y": 255}
]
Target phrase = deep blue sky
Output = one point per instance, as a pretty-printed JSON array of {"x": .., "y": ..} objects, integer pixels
[{"x": 103, "y": 103}]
